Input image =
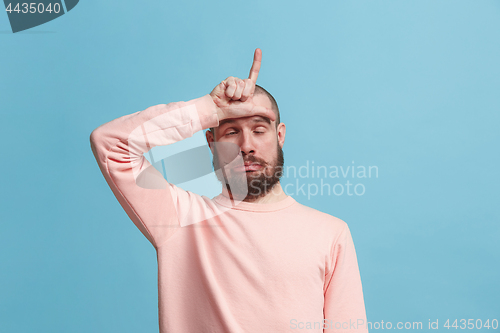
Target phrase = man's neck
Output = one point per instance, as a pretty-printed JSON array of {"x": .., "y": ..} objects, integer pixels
[{"x": 274, "y": 195}]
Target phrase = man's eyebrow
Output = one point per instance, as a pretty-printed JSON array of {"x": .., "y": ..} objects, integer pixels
[
  {"x": 257, "y": 119},
  {"x": 262, "y": 119},
  {"x": 226, "y": 121}
]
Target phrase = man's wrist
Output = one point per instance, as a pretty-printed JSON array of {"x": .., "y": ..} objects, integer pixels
[
  {"x": 204, "y": 114},
  {"x": 220, "y": 114}
]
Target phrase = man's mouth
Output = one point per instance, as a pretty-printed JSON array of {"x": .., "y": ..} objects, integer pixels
[{"x": 249, "y": 167}]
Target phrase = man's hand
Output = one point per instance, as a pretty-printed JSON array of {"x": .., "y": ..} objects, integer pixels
[{"x": 234, "y": 97}]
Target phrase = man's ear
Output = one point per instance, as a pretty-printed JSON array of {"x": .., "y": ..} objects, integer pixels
[
  {"x": 210, "y": 138},
  {"x": 281, "y": 131}
]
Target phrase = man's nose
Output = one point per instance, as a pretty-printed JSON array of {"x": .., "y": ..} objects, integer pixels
[{"x": 246, "y": 143}]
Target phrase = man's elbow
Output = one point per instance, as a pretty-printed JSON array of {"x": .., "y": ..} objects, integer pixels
[
  {"x": 95, "y": 136},
  {"x": 97, "y": 140}
]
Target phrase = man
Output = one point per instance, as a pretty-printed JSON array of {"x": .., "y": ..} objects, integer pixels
[{"x": 252, "y": 259}]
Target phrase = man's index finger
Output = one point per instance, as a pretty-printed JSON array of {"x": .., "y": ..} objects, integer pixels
[{"x": 254, "y": 71}]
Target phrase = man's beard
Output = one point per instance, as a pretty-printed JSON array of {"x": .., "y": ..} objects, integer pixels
[{"x": 249, "y": 186}]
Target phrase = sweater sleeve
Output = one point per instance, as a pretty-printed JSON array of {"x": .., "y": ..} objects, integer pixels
[
  {"x": 149, "y": 200},
  {"x": 344, "y": 308}
]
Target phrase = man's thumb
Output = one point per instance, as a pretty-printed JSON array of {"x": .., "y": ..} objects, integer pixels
[
  {"x": 219, "y": 90},
  {"x": 263, "y": 111}
]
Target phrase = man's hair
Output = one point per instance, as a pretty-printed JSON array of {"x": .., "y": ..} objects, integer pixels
[{"x": 259, "y": 90}]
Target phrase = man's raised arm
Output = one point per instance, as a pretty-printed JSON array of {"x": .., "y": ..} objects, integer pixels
[
  {"x": 118, "y": 146},
  {"x": 155, "y": 206}
]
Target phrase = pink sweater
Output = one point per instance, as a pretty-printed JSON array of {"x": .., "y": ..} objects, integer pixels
[{"x": 280, "y": 267}]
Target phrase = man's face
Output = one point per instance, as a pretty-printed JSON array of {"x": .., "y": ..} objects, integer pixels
[{"x": 260, "y": 147}]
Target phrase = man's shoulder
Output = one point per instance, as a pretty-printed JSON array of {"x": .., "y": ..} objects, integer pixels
[{"x": 317, "y": 215}]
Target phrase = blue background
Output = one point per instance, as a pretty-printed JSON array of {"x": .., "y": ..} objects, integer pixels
[{"x": 411, "y": 87}]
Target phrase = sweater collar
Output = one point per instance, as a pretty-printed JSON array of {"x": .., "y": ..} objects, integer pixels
[{"x": 254, "y": 207}]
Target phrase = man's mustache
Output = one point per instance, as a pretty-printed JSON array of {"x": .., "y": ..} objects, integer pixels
[
  {"x": 253, "y": 159},
  {"x": 249, "y": 159}
]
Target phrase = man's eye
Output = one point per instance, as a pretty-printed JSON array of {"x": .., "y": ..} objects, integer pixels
[
  {"x": 230, "y": 133},
  {"x": 260, "y": 130}
]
